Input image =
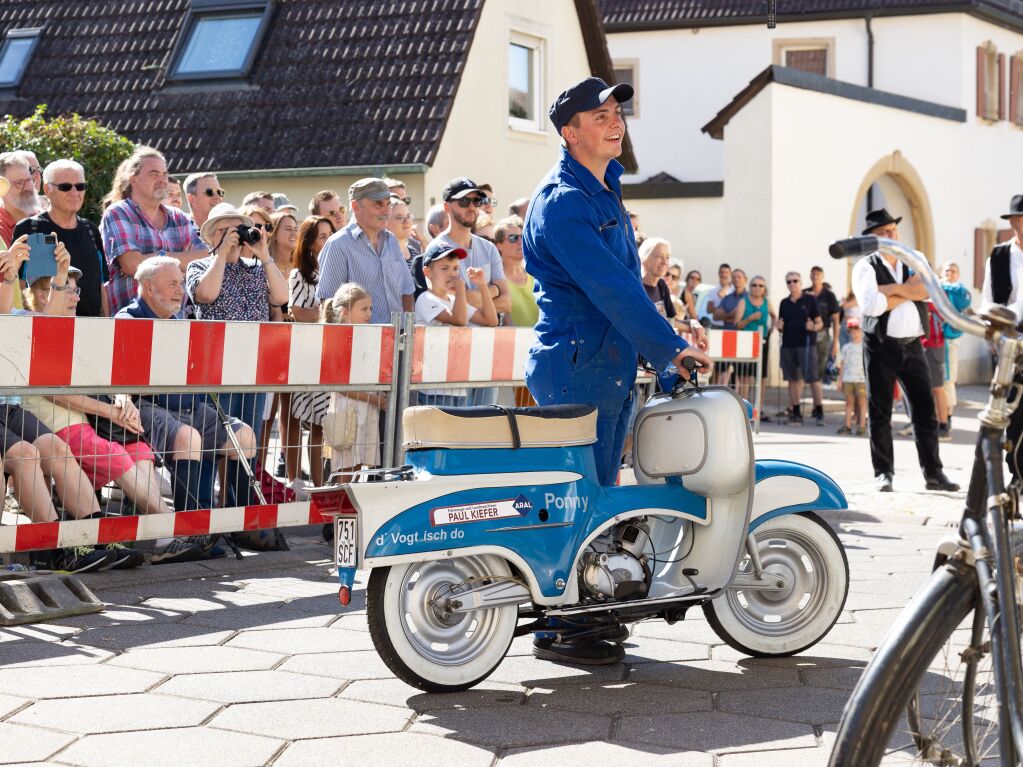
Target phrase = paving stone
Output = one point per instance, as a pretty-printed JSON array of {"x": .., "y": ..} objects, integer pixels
[
  {"x": 185, "y": 660},
  {"x": 713, "y": 676},
  {"x": 394, "y": 692},
  {"x": 648, "y": 650},
  {"x": 804, "y": 757},
  {"x": 40, "y": 632},
  {"x": 73, "y": 681},
  {"x": 116, "y": 713},
  {"x": 692, "y": 629},
  {"x": 9, "y": 703},
  {"x": 220, "y": 601},
  {"x": 384, "y": 750},
  {"x": 274, "y": 615},
  {"x": 150, "y": 635},
  {"x": 192, "y": 746},
  {"x": 714, "y": 731},
  {"x": 340, "y": 665},
  {"x": 621, "y": 698},
  {"x": 811, "y": 705},
  {"x": 532, "y": 672},
  {"x": 836, "y": 678},
  {"x": 320, "y": 718},
  {"x": 505, "y": 727},
  {"x": 118, "y": 615},
  {"x": 19, "y": 655},
  {"x": 816, "y": 656},
  {"x": 883, "y": 617},
  {"x": 292, "y": 587},
  {"x": 303, "y": 640},
  {"x": 863, "y": 635},
  {"x": 249, "y": 686},
  {"x": 603, "y": 753},
  {"x": 351, "y": 622},
  {"x": 30, "y": 744}
]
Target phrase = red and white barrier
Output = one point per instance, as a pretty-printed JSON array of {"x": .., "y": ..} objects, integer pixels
[
  {"x": 93, "y": 532},
  {"x": 445, "y": 354},
  {"x": 733, "y": 344},
  {"x": 99, "y": 352}
]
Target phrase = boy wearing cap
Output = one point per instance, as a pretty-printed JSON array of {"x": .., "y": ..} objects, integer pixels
[
  {"x": 445, "y": 303},
  {"x": 852, "y": 380},
  {"x": 595, "y": 317}
]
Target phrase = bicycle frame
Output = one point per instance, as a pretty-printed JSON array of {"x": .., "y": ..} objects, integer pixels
[{"x": 986, "y": 497}]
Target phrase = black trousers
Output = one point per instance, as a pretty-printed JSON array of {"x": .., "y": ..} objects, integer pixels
[
  {"x": 889, "y": 361},
  {"x": 1014, "y": 454}
]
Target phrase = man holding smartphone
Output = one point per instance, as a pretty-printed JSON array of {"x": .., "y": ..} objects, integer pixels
[{"x": 65, "y": 185}]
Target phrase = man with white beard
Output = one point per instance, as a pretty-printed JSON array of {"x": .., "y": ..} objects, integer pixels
[
  {"x": 22, "y": 199},
  {"x": 138, "y": 225}
]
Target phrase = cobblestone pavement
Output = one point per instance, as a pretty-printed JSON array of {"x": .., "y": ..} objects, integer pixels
[{"x": 250, "y": 663}]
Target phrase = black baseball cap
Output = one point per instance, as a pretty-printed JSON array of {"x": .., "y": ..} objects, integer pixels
[
  {"x": 442, "y": 251},
  {"x": 457, "y": 188},
  {"x": 582, "y": 97}
]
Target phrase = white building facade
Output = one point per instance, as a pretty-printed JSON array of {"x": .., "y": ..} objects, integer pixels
[{"x": 914, "y": 112}]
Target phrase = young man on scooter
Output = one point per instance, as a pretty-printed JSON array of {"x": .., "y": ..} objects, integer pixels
[{"x": 595, "y": 317}]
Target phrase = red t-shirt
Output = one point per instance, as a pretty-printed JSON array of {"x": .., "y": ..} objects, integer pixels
[{"x": 7, "y": 223}]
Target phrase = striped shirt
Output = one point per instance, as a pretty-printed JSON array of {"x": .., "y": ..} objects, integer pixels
[
  {"x": 125, "y": 227},
  {"x": 348, "y": 256}
]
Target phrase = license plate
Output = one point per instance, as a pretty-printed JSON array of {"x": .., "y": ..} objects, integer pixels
[{"x": 346, "y": 542}]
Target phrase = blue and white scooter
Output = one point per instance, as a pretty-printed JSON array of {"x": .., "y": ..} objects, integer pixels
[{"x": 496, "y": 528}]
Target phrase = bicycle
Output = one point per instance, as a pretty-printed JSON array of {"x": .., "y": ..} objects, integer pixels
[{"x": 946, "y": 685}]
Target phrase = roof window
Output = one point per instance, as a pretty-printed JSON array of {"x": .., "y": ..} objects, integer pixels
[
  {"x": 220, "y": 39},
  {"x": 15, "y": 51}
]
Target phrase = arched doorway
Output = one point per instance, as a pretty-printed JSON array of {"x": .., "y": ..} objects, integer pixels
[{"x": 893, "y": 183}]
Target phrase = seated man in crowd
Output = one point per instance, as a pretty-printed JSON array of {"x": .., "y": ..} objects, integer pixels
[{"x": 183, "y": 428}]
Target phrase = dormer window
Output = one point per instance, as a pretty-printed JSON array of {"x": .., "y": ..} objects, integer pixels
[
  {"x": 15, "y": 52},
  {"x": 220, "y": 39}
]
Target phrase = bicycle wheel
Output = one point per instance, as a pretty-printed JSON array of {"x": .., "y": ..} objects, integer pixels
[{"x": 929, "y": 694}]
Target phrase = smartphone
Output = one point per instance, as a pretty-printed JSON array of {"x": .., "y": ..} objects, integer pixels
[{"x": 41, "y": 260}]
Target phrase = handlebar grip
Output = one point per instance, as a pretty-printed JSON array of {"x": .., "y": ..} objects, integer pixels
[
  {"x": 854, "y": 246},
  {"x": 689, "y": 363}
]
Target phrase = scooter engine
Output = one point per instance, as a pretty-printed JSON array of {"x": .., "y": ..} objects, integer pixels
[{"x": 614, "y": 566}]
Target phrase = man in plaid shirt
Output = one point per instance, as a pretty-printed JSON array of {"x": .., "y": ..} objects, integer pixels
[{"x": 137, "y": 225}]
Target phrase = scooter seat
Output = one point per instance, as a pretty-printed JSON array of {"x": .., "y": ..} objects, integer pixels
[{"x": 492, "y": 427}]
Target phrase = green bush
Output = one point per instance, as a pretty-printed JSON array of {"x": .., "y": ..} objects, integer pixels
[{"x": 100, "y": 150}]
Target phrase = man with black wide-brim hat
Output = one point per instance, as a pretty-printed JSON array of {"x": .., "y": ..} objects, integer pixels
[
  {"x": 893, "y": 300},
  {"x": 1003, "y": 284}
]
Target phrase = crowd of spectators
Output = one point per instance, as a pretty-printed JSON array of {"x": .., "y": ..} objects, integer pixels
[{"x": 174, "y": 250}]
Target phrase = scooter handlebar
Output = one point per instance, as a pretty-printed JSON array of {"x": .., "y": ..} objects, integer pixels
[{"x": 853, "y": 246}]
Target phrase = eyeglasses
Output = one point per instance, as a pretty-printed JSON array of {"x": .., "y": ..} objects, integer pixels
[
  {"x": 265, "y": 227},
  {"x": 402, "y": 219},
  {"x": 218, "y": 192},
  {"x": 336, "y": 213},
  {"x": 513, "y": 238},
  {"x": 24, "y": 183},
  {"x": 792, "y": 282},
  {"x": 406, "y": 200},
  {"x": 477, "y": 202},
  {"x": 81, "y": 186},
  {"x": 757, "y": 285},
  {"x": 36, "y": 171}
]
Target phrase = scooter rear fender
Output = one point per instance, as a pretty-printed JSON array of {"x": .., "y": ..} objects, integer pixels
[{"x": 787, "y": 487}]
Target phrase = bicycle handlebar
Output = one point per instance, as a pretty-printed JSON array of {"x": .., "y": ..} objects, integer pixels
[{"x": 915, "y": 260}]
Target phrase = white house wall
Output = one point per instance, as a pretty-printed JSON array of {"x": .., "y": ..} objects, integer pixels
[
  {"x": 693, "y": 226},
  {"x": 477, "y": 141}
]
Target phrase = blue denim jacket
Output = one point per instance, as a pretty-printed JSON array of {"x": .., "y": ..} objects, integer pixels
[{"x": 594, "y": 313}]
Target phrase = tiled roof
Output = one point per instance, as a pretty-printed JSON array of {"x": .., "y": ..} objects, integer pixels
[
  {"x": 627, "y": 15},
  {"x": 336, "y": 82}
]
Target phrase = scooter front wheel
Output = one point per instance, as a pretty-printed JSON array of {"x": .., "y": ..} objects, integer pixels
[
  {"x": 806, "y": 553},
  {"x": 423, "y": 644}
]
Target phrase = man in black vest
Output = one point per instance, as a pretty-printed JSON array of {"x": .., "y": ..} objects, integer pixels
[
  {"x": 893, "y": 300},
  {"x": 1003, "y": 278}
]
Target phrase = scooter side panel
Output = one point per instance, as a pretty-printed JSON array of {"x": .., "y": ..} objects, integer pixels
[
  {"x": 544, "y": 524},
  {"x": 787, "y": 487}
]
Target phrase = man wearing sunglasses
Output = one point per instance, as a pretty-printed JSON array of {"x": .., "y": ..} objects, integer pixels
[
  {"x": 204, "y": 194},
  {"x": 64, "y": 184}
]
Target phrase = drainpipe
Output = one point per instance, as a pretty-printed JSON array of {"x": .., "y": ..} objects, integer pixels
[{"x": 870, "y": 84}]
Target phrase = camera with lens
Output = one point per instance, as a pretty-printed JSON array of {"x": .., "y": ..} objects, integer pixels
[{"x": 247, "y": 235}]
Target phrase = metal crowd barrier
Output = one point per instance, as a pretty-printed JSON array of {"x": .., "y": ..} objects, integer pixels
[{"x": 44, "y": 357}]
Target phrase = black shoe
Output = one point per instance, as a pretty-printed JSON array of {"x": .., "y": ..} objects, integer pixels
[
  {"x": 884, "y": 483},
  {"x": 176, "y": 550},
  {"x": 82, "y": 559},
  {"x": 940, "y": 482},
  {"x": 584, "y": 652},
  {"x": 944, "y": 433},
  {"x": 282, "y": 468},
  {"x": 125, "y": 558},
  {"x": 615, "y": 634}
]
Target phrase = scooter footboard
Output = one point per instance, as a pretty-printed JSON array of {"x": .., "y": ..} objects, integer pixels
[{"x": 787, "y": 487}]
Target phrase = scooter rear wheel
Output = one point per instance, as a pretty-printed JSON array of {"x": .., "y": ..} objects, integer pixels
[
  {"x": 425, "y": 646},
  {"x": 806, "y": 552}
]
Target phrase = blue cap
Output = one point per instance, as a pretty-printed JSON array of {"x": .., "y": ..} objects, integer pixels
[{"x": 582, "y": 97}]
